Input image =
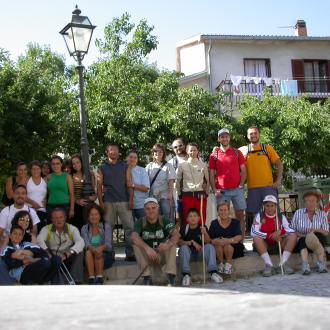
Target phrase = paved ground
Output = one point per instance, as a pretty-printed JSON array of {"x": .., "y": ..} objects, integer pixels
[{"x": 291, "y": 302}]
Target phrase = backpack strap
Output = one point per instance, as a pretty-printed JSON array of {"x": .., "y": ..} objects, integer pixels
[
  {"x": 49, "y": 231},
  {"x": 186, "y": 229}
]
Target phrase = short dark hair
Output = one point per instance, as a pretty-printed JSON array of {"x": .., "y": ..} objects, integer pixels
[
  {"x": 94, "y": 206},
  {"x": 20, "y": 164},
  {"x": 254, "y": 127},
  {"x": 16, "y": 227},
  {"x": 178, "y": 138},
  {"x": 134, "y": 151},
  {"x": 112, "y": 144},
  {"x": 20, "y": 186},
  {"x": 57, "y": 157},
  {"x": 312, "y": 193},
  {"x": 193, "y": 210},
  {"x": 19, "y": 215},
  {"x": 35, "y": 163},
  {"x": 223, "y": 203},
  {"x": 193, "y": 144}
]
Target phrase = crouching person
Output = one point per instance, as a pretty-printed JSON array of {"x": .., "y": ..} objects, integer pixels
[
  {"x": 154, "y": 242},
  {"x": 63, "y": 240},
  {"x": 98, "y": 241},
  {"x": 311, "y": 225},
  {"x": 265, "y": 235},
  {"x": 191, "y": 248},
  {"x": 28, "y": 263}
]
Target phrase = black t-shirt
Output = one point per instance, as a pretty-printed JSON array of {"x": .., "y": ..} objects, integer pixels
[
  {"x": 188, "y": 234},
  {"x": 217, "y": 231}
]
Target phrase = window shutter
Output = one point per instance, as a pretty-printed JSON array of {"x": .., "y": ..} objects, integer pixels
[
  {"x": 328, "y": 76},
  {"x": 299, "y": 74}
]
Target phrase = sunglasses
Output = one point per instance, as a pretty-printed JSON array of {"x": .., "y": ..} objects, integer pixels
[
  {"x": 24, "y": 219},
  {"x": 178, "y": 146}
]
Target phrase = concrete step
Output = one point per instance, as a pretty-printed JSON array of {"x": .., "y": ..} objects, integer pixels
[{"x": 250, "y": 265}]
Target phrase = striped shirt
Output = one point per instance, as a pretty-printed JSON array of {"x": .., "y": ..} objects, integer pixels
[{"x": 301, "y": 223}]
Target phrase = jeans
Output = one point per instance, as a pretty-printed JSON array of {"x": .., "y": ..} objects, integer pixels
[
  {"x": 186, "y": 254},
  {"x": 138, "y": 213},
  {"x": 166, "y": 209}
]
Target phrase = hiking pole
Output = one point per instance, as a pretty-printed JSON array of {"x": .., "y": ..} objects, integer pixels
[
  {"x": 279, "y": 243},
  {"x": 67, "y": 274},
  {"x": 203, "y": 243},
  {"x": 138, "y": 277}
]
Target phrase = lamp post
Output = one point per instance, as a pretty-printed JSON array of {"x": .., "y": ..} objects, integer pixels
[{"x": 77, "y": 36}]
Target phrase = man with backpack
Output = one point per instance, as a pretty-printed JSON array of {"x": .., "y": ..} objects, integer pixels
[
  {"x": 260, "y": 158},
  {"x": 228, "y": 174},
  {"x": 154, "y": 241},
  {"x": 64, "y": 240}
]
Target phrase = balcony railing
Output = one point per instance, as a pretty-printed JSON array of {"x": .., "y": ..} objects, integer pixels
[{"x": 316, "y": 89}]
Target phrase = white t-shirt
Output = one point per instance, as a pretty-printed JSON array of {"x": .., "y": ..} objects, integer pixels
[
  {"x": 8, "y": 213},
  {"x": 37, "y": 192}
]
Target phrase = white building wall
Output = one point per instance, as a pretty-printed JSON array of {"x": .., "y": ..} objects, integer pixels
[
  {"x": 228, "y": 57},
  {"x": 192, "y": 59}
]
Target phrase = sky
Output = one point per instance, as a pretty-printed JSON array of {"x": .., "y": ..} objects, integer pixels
[{"x": 39, "y": 21}]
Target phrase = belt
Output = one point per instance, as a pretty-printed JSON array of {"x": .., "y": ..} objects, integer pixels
[{"x": 193, "y": 193}]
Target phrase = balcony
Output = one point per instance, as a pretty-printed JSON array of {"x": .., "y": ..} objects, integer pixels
[{"x": 313, "y": 89}]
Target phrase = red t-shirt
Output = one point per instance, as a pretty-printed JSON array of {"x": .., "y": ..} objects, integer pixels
[
  {"x": 269, "y": 226},
  {"x": 227, "y": 166}
]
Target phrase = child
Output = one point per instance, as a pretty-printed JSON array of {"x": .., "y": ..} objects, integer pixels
[
  {"x": 191, "y": 247},
  {"x": 28, "y": 263},
  {"x": 265, "y": 234}
]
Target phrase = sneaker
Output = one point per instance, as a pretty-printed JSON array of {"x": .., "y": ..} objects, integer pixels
[
  {"x": 221, "y": 268},
  {"x": 91, "y": 280},
  {"x": 186, "y": 281},
  {"x": 147, "y": 280},
  {"x": 228, "y": 269},
  {"x": 268, "y": 271},
  {"x": 130, "y": 258},
  {"x": 321, "y": 267},
  {"x": 216, "y": 278},
  {"x": 99, "y": 280},
  {"x": 305, "y": 268},
  {"x": 171, "y": 279},
  {"x": 287, "y": 269}
]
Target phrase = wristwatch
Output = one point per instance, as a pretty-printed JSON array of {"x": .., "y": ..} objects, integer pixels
[{"x": 72, "y": 251}]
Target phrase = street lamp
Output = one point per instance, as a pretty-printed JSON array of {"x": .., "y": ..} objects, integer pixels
[{"x": 77, "y": 36}]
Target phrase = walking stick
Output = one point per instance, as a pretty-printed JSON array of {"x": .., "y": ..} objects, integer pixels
[
  {"x": 138, "y": 277},
  {"x": 279, "y": 243},
  {"x": 203, "y": 243}
]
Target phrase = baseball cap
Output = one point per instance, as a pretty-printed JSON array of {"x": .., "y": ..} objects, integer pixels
[
  {"x": 223, "y": 131},
  {"x": 150, "y": 200},
  {"x": 270, "y": 198}
]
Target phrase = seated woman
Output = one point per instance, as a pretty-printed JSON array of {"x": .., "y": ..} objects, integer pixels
[
  {"x": 226, "y": 235},
  {"x": 311, "y": 225},
  {"x": 23, "y": 219},
  {"x": 98, "y": 241},
  {"x": 266, "y": 235},
  {"x": 27, "y": 262}
]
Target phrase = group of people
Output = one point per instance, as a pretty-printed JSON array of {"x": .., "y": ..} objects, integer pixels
[{"x": 49, "y": 224}]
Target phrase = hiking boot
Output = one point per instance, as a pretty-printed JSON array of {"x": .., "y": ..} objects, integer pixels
[
  {"x": 186, "y": 281},
  {"x": 228, "y": 269},
  {"x": 268, "y": 271},
  {"x": 221, "y": 268},
  {"x": 287, "y": 269},
  {"x": 147, "y": 280},
  {"x": 321, "y": 267},
  {"x": 171, "y": 279},
  {"x": 130, "y": 258},
  {"x": 216, "y": 278},
  {"x": 99, "y": 280},
  {"x": 91, "y": 280},
  {"x": 305, "y": 268}
]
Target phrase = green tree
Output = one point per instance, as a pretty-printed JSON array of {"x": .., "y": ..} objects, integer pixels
[{"x": 298, "y": 129}]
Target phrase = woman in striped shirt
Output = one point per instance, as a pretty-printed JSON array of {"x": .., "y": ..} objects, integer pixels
[{"x": 311, "y": 225}]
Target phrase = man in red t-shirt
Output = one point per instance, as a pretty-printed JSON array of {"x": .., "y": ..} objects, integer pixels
[{"x": 228, "y": 174}]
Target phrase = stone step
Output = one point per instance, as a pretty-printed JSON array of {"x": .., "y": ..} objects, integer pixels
[{"x": 250, "y": 265}]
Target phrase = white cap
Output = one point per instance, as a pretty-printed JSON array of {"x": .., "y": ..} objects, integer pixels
[
  {"x": 270, "y": 198},
  {"x": 223, "y": 131},
  {"x": 150, "y": 200}
]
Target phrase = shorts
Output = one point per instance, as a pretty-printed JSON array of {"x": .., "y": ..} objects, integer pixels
[
  {"x": 238, "y": 250},
  {"x": 236, "y": 196},
  {"x": 256, "y": 196},
  {"x": 301, "y": 244}
]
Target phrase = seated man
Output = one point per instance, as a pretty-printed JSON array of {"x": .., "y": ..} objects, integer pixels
[
  {"x": 64, "y": 240},
  {"x": 27, "y": 262},
  {"x": 266, "y": 235},
  {"x": 154, "y": 242},
  {"x": 191, "y": 246}
]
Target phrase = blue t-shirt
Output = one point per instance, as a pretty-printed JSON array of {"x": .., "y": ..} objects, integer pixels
[
  {"x": 140, "y": 177},
  {"x": 216, "y": 231}
]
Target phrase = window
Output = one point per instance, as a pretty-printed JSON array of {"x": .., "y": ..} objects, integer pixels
[
  {"x": 257, "y": 67},
  {"x": 315, "y": 73}
]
